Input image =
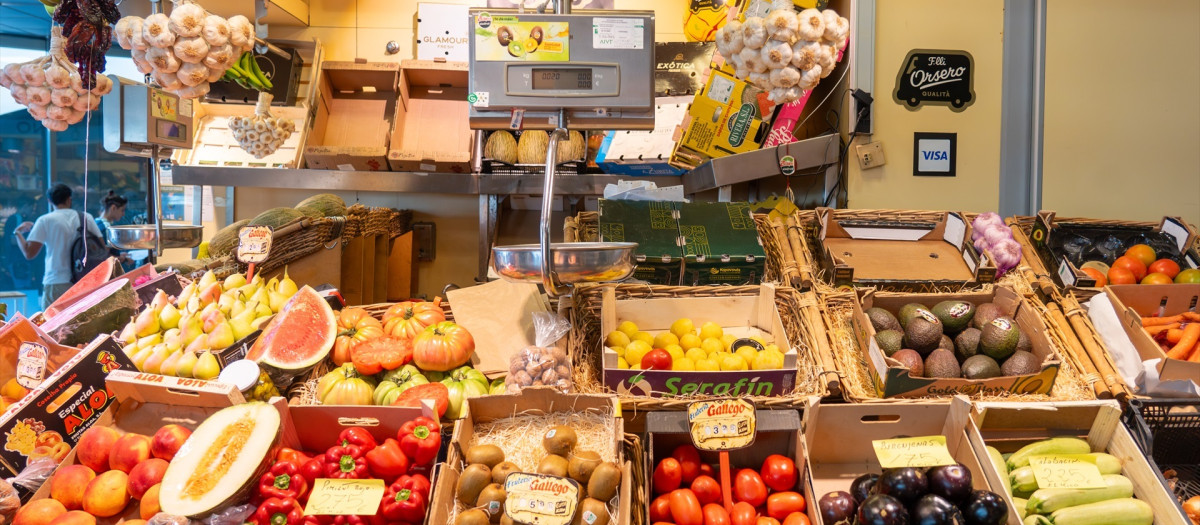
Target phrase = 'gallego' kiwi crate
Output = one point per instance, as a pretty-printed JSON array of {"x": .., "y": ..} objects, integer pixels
[{"x": 978, "y": 343}]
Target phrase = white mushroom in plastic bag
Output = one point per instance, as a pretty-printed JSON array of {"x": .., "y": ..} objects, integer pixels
[{"x": 261, "y": 134}]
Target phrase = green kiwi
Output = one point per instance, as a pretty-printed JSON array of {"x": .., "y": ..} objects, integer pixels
[
  {"x": 560, "y": 440},
  {"x": 489, "y": 455},
  {"x": 491, "y": 500},
  {"x": 472, "y": 481},
  {"x": 472, "y": 517},
  {"x": 553, "y": 465},
  {"x": 500, "y": 472},
  {"x": 592, "y": 512},
  {"x": 582, "y": 464},
  {"x": 606, "y": 477}
]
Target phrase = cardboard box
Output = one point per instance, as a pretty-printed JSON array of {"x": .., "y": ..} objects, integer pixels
[
  {"x": 316, "y": 427},
  {"x": 681, "y": 68},
  {"x": 530, "y": 401},
  {"x": 720, "y": 244},
  {"x": 19, "y": 330},
  {"x": 354, "y": 116},
  {"x": 1009, "y": 426},
  {"x": 655, "y": 227},
  {"x": 742, "y": 315},
  {"x": 727, "y": 117},
  {"x": 442, "y": 32},
  {"x": 1134, "y": 301},
  {"x": 645, "y": 153},
  {"x": 1172, "y": 232},
  {"x": 892, "y": 379},
  {"x": 432, "y": 131},
  {"x": 838, "y": 440},
  {"x": 901, "y": 256}
]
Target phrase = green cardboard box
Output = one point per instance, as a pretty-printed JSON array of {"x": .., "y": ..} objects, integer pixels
[
  {"x": 720, "y": 244},
  {"x": 655, "y": 227}
]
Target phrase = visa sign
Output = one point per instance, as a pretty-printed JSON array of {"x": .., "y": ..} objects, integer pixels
[{"x": 933, "y": 154}]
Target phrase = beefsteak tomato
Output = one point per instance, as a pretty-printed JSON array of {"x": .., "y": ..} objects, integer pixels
[
  {"x": 409, "y": 318},
  {"x": 383, "y": 353},
  {"x": 345, "y": 386},
  {"x": 443, "y": 346},
  {"x": 354, "y": 325}
]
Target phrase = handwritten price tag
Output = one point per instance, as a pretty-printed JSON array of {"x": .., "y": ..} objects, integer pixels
[
  {"x": 348, "y": 497},
  {"x": 254, "y": 244},
  {"x": 925, "y": 451},
  {"x": 31, "y": 364},
  {"x": 538, "y": 499},
  {"x": 1066, "y": 471},
  {"x": 723, "y": 424}
]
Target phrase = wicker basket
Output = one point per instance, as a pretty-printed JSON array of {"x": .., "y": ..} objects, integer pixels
[
  {"x": 635, "y": 454},
  {"x": 798, "y": 311}
]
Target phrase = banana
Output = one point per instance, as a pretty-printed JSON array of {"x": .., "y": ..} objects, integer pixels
[
  {"x": 262, "y": 78},
  {"x": 1045, "y": 501}
]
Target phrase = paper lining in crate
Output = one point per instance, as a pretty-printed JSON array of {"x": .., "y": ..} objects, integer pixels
[{"x": 214, "y": 144}]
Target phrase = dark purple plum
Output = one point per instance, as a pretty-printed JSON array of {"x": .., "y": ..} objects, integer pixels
[
  {"x": 932, "y": 509},
  {"x": 861, "y": 487},
  {"x": 952, "y": 482},
  {"x": 985, "y": 508},
  {"x": 837, "y": 507},
  {"x": 904, "y": 484},
  {"x": 881, "y": 509}
]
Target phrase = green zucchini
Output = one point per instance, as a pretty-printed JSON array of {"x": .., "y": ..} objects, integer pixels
[
  {"x": 1023, "y": 480},
  {"x": 1001, "y": 467},
  {"x": 1044, "y": 501},
  {"x": 1020, "y": 504},
  {"x": 1121, "y": 511},
  {"x": 1063, "y": 445}
]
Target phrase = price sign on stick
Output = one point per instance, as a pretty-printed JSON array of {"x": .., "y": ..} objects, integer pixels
[
  {"x": 538, "y": 499},
  {"x": 254, "y": 245},
  {"x": 926, "y": 451},
  {"x": 31, "y": 364},
  {"x": 1066, "y": 471},
  {"x": 723, "y": 424},
  {"x": 349, "y": 497}
]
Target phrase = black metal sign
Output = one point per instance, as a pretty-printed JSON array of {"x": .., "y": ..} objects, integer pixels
[{"x": 936, "y": 77}]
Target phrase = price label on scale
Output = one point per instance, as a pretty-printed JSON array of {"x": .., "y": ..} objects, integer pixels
[
  {"x": 538, "y": 499},
  {"x": 723, "y": 424},
  {"x": 254, "y": 244},
  {"x": 925, "y": 451}
]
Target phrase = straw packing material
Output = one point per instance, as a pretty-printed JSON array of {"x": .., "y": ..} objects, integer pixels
[{"x": 519, "y": 436}]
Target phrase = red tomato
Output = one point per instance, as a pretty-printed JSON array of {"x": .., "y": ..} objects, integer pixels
[
  {"x": 743, "y": 514},
  {"x": 657, "y": 359},
  {"x": 667, "y": 476},
  {"x": 685, "y": 508},
  {"x": 1143, "y": 253},
  {"x": 749, "y": 487},
  {"x": 707, "y": 470},
  {"x": 715, "y": 515},
  {"x": 1135, "y": 266},
  {"x": 766, "y": 520},
  {"x": 781, "y": 504},
  {"x": 779, "y": 473},
  {"x": 1121, "y": 276},
  {"x": 1165, "y": 266},
  {"x": 707, "y": 490},
  {"x": 660, "y": 509},
  {"x": 796, "y": 518},
  {"x": 689, "y": 459},
  {"x": 1101, "y": 280},
  {"x": 1156, "y": 278}
]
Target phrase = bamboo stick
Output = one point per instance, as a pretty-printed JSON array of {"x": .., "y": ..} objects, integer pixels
[
  {"x": 797, "y": 247},
  {"x": 790, "y": 273},
  {"x": 1098, "y": 356}
]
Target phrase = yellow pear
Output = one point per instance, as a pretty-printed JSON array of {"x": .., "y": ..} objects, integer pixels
[
  {"x": 187, "y": 361},
  {"x": 129, "y": 333},
  {"x": 261, "y": 296},
  {"x": 277, "y": 301},
  {"x": 150, "y": 340},
  {"x": 169, "y": 317},
  {"x": 287, "y": 287},
  {"x": 199, "y": 345},
  {"x": 262, "y": 310},
  {"x": 139, "y": 359},
  {"x": 211, "y": 320},
  {"x": 259, "y": 321},
  {"x": 154, "y": 363},
  {"x": 170, "y": 364},
  {"x": 211, "y": 293},
  {"x": 206, "y": 367},
  {"x": 186, "y": 294},
  {"x": 225, "y": 303},
  {"x": 273, "y": 285},
  {"x": 238, "y": 307},
  {"x": 159, "y": 301},
  {"x": 236, "y": 280},
  {"x": 130, "y": 349},
  {"x": 173, "y": 338},
  {"x": 193, "y": 305},
  {"x": 207, "y": 279},
  {"x": 221, "y": 336},
  {"x": 191, "y": 329},
  {"x": 146, "y": 323},
  {"x": 242, "y": 324}
]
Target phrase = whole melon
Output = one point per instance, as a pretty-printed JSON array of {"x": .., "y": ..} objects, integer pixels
[
  {"x": 274, "y": 217},
  {"x": 226, "y": 239},
  {"x": 323, "y": 205},
  {"x": 501, "y": 146},
  {"x": 572, "y": 149},
  {"x": 531, "y": 149}
]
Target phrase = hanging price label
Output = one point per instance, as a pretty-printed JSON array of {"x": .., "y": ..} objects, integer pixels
[
  {"x": 926, "y": 451},
  {"x": 1066, "y": 471},
  {"x": 723, "y": 424},
  {"x": 349, "y": 497},
  {"x": 537, "y": 499},
  {"x": 31, "y": 364},
  {"x": 254, "y": 244}
]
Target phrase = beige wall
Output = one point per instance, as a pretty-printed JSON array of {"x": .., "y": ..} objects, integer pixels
[
  {"x": 976, "y": 27},
  {"x": 1122, "y": 117}
]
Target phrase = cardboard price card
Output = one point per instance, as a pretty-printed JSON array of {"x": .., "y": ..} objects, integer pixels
[
  {"x": 349, "y": 497},
  {"x": 31, "y": 364},
  {"x": 723, "y": 424},
  {"x": 537, "y": 499},
  {"x": 254, "y": 244},
  {"x": 925, "y": 451},
  {"x": 1066, "y": 471}
]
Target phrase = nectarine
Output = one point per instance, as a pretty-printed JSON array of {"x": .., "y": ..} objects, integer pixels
[
  {"x": 128, "y": 451},
  {"x": 107, "y": 495},
  {"x": 145, "y": 475},
  {"x": 95, "y": 446},
  {"x": 68, "y": 484},
  {"x": 149, "y": 504},
  {"x": 39, "y": 512},
  {"x": 75, "y": 517},
  {"x": 167, "y": 440}
]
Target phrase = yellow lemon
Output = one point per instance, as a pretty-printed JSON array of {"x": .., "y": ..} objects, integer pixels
[
  {"x": 711, "y": 329},
  {"x": 683, "y": 363},
  {"x": 747, "y": 353},
  {"x": 689, "y": 341},
  {"x": 719, "y": 355},
  {"x": 643, "y": 336},
  {"x": 695, "y": 354},
  {"x": 675, "y": 351},
  {"x": 774, "y": 347},
  {"x": 767, "y": 360},
  {"x": 664, "y": 340},
  {"x": 760, "y": 340},
  {"x": 620, "y": 350},
  {"x": 621, "y": 364},
  {"x": 707, "y": 365},
  {"x": 734, "y": 362},
  {"x": 728, "y": 340},
  {"x": 616, "y": 338},
  {"x": 628, "y": 328},
  {"x": 682, "y": 327},
  {"x": 711, "y": 345},
  {"x": 635, "y": 351}
]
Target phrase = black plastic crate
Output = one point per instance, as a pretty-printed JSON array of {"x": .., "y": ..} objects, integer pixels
[{"x": 1168, "y": 431}]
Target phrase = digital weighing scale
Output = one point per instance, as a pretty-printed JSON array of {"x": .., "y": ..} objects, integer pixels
[{"x": 592, "y": 70}]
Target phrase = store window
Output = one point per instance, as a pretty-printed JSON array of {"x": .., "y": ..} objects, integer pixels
[{"x": 33, "y": 159}]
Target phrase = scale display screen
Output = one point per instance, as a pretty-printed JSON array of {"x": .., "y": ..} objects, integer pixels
[{"x": 562, "y": 78}]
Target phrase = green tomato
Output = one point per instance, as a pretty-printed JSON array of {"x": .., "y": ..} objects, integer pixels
[
  {"x": 498, "y": 386},
  {"x": 463, "y": 383},
  {"x": 395, "y": 382}
]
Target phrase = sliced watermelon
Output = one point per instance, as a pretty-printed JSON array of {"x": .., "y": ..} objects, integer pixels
[
  {"x": 103, "y": 273},
  {"x": 106, "y": 310},
  {"x": 299, "y": 336}
]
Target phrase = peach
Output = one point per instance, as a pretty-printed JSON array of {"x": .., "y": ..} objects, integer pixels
[
  {"x": 95, "y": 446},
  {"x": 149, "y": 504},
  {"x": 167, "y": 440},
  {"x": 39, "y": 512},
  {"x": 128, "y": 451},
  {"x": 107, "y": 495},
  {"x": 75, "y": 517},
  {"x": 134, "y": 522},
  {"x": 68, "y": 484},
  {"x": 145, "y": 475}
]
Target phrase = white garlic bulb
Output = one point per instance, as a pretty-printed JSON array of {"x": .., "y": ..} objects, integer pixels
[
  {"x": 33, "y": 74},
  {"x": 58, "y": 112},
  {"x": 84, "y": 102},
  {"x": 139, "y": 60},
  {"x": 54, "y": 125},
  {"x": 37, "y": 95},
  {"x": 785, "y": 77},
  {"x": 191, "y": 49},
  {"x": 76, "y": 116},
  {"x": 761, "y": 80},
  {"x": 776, "y": 54},
  {"x": 18, "y": 93},
  {"x": 4, "y": 80},
  {"x": 167, "y": 81},
  {"x": 827, "y": 59},
  {"x": 729, "y": 38},
  {"x": 809, "y": 77},
  {"x": 812, "y": 25},
  {"x": 781, "y": 24},
  {"x": 103, "y": 86},
  {"x": 77, "y": 83},
  {"x": 216, "y": 31},
  {"x": 156, "y": 31},
  {"x": 58, "y": 77},
  {"x": 196, "y": 91},
  {"x": 64, "y": 97},
  {"x": 13, "y": 72},
  {"x": 214, "y": 74},
  {"x": 836, "y": 27},
  {"x": 751, "y": 57},
  {"x": 187, "y": 19},
  {"x": 241, "y": 33},
  {"x": 754, "y": 34},
  {"x": 163, "y": 59},
  {"x": 218, "y": 57},
  {"x": 38, "y": 111},
  {"x": 192, "y": 74},
  {"x": 125, "y": 29},
  {"x": 804, "y": 53}
]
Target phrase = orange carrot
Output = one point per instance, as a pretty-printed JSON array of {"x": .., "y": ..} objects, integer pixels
[
  {"x": 1156, "y": 321},
  {"x": 1155, "y": 330},
  {"x": 1183, "y": 348},
  {"x": 1195, "y": 354},
  {"x": 1174, "y": 335},
  {"x": 1191, "y": 316}
]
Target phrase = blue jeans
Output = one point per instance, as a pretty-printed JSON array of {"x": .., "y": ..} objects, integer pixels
[{"x": 50, "y": 292}]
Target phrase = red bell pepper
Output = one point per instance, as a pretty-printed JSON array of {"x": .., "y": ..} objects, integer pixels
[
  {"x": 352, "y": 520},
  {"x": 345, "y": 462},
  {"x": 357, "y": 436},
  {"x": 420, "y": 440},
  {"x": 416, "y": 483},
  {"x": 313, "y": 468},
  {"x": 283, "y": 481},
  {"x": 292, "y": 455},
  {"x": 280, "y": 511},
  {"x": 387, "y": 461},
  {"x": 404, "y": 504}
]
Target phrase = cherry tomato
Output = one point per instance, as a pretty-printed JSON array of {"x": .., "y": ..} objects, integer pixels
[
  {"x": 766, "y": 520},
  {"x": 779, "y": 472},
  {"x": 707, "y": 490},
  {"x": 782, "y": 504},
  {"x": 685, "y": 508},
  {"x": 660, "y": 509},
  {"x": 689, "y": 459},
  {"x": 796, "y": 518},
  {"x": 707, "y": 470},
  {"x": 667, "y": 476},
  {"x": 715, "y": 514},
  {"x": 749, "y": 487},
  {"x": 743, "y": 514}
]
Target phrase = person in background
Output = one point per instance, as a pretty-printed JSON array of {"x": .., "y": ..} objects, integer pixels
[
  {"x": 56, "y": 231},
  {"x": 114, "y": 211},
  {"x": 24, "y": 273}
]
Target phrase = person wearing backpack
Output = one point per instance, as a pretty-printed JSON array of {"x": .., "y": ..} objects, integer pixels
[{"x": 61, "y": 232}]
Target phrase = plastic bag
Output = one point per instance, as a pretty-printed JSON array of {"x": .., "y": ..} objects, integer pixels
[
  {"x": 9, "y": 502},
  {"x": 35, "y": 474},
  {"x": 235, "y": 515},
  {"x": 542, "y": 364}
]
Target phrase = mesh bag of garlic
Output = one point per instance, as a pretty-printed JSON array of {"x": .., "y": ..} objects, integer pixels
[
  {"x": 187, "y": 50},
  {"x": 261, "y": 134},
  {"x": 784, "y": 53},
  {"x": 51, "y": 88}
]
